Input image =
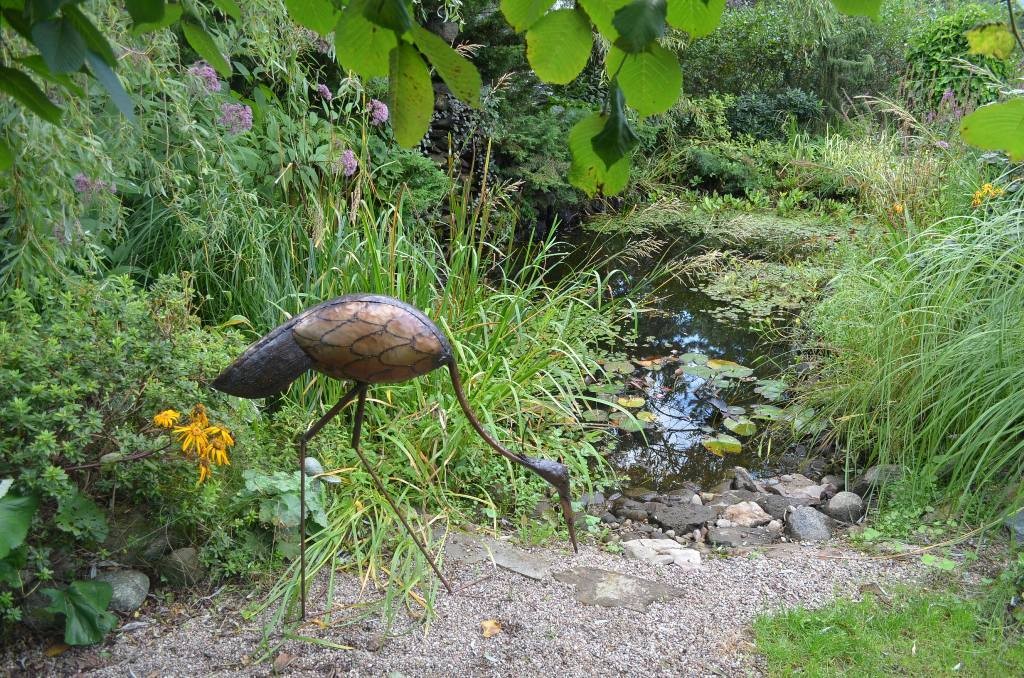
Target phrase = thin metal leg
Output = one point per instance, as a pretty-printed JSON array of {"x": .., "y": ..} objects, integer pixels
[
  {"x": 357, "y": 429},
  {"x": 303, "y": 439}
]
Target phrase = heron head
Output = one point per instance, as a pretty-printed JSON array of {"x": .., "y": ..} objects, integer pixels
[{"x": 557, "y": 475}]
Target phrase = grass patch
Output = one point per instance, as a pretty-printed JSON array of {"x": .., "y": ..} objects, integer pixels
[{"x": 914, "y": 633}]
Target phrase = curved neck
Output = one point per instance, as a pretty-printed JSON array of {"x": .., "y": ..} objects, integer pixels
[{"x": 461, "y": 395}]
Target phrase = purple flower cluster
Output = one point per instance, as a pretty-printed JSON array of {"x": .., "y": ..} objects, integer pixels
[
  {"x": 378, "y": 112},
  {"x": 92, "y": 187},
  {"x": 324, "y": 92},
  {"x": 319, "y": 43},
  {"x": 949, "y": 109},
  {"x": 205, "y": 72},
  {"x": 236, "y": 117},
  {"x": 348, "y": 163}
]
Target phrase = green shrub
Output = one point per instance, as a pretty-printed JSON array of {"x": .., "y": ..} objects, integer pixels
[
  {"x": 764, "y": 116},
  {"x": 719, "y": 169}
]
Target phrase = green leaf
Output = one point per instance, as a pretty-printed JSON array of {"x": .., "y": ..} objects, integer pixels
[
  {"x": 702, "y": 371},
  {"x": 316, "y": 15},
  {"x": 94, "y": 40},
  {"x": 521, "y": 14},
  {"x": 35, "y": 63},
  {"x": 83, "y": 605},
  {"x": 651, "y": 81},
  {"x": 21, "y": 88},
  {"x": 80, "y": 516},
  {"x": 993, "y": 40},
  {"x": 588, "y": 172},
  {"x": 172, "y": 13},
  {"x": 639, "y": 23},
  {"x": 205, "y": 46},
  {"x": 617, "y": 138},
  {"x": 740, "y": 426},
  {"x": 106, "y": 77},
  {"x": 558, "y": 46},
  {"x": 858, "y": 7},
  {"x": 696, "y": 17},
  {"x": 937, "y": 562},
  {"x": 231, "y": 9},
  {"x": 363, "y": 46},
  {"x": 458, "y": 72},
  {"x": 769, "y": 412},
  {"x": 631, "y": 401},
  {"x": 722, "y": 444},
  {"x": 145, "y": 11},
  {"x": 393, "y": 14},
  {"x": 412, "y": 95},
  {"x": 15, "y": 517},
  {"x": 601, "y": 12},
  {"x": 997, "y": 127},
  {"x": 6, "y": 161},
  {"x": 60, "y": 44}
]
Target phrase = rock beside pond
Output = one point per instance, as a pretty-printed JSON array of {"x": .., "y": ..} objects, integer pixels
[
  {"x": 795, "y": 486},
  {"x": 662, "y": 552},
  {"x": 742, "y": 480},
  {"x": 733, "y": 537},
  {"x": 807, "y": 524},
  {"x": 874, "y": 477},
  {"x": 845, "y": 506},
  {"x": 776, "y": 505},
  {"x": 1015, "y": 524},
  {"x": 181, "y": 567},
  {"x": 747, "y": 514},
  {"x": 835, "y": 480},
  {"x": 684, "y": 518},
  {"x": 130, "y": 588}
]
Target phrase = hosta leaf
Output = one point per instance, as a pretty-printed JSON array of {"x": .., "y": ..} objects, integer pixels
[
  {"x": 602, "y": 12},
  {"x": 60, "y": 44},
  {"x": 616, "y": 139},
  {"x": 15, "y": 517},
  {"x": 696, "y": 17},
  {"x": 650, "y": 80},
  {"x": 412, "y": 95},
  {"x": 522, "y": 14},
  {"x": 740, "y": 426},
  {"x": 558, "y": 45},
  {"x": 458, "y": 72},
  {"x": 21, "y": 88},
  {"x": 631, "y": 401},
  {"x": 316, "y": 15},
  {"x": 722, "y": 444},
  {"x": 639, "y": 23},
  {"x": 363, "y": 46},
  {"x": 858, "y": 7},
  {"x": 588, "y": 171},
  {"x": 205, "y": 46},
  {"x": 997, "y": 127},
  {"x": 83, "y": 605}
]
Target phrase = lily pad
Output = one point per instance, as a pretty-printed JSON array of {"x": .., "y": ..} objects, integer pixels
[
  {"x": 701, "y": 371},
  {"x": 626, "y": 423},
  {"x": 696, "y": 358},
  {"x": 772, "y": 389},
  {"x": 769, "y": 412},
  {"x": 741, "y": 426},
  {"x": 653, "y": 364},
  {"x": 607, "y": 389},
  {"x": 620, "y": 366},
  {"x": 632, "y": 401},
  {"x": 646, "y": 417},
  {"x": 729, "y": 368},
  {"x": 722, "y": 444},
  {"x": 595, "y": 416}
]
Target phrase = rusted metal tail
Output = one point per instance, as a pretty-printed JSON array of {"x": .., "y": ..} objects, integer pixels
[{"x": 267, "y": 367}]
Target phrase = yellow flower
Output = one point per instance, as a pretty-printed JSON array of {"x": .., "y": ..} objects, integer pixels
[
  {"x": 199, "y": 415},
  {"x": 167, "y": 418},
  {"x": 897, "y": 208},
  {"x": 220, "y": 433},
  {"x": 204, "y": 473},
  {"x": 218, "y": 452},
  {"x": 193, "y": 439}
]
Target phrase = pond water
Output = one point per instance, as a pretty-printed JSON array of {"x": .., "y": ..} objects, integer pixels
[{"x": 685, "y": 404}]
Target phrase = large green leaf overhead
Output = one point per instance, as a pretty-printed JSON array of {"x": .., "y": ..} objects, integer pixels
[
  {"x": 458, "y": 72},
  {"x": 639, "y": 23},
  {"x": 602, "y": 12},
  {"x": 696, "y": 17},
  {"x": 651, "y": 80},
  {"x": 361, "y": 45},
  {"x": 205, "y": 46},
  {"x": 22, "y": 89},
  {"x": 522, "y": 14},
  {"x": 858, "y": 7},
  {"x": 412, "y": 95},
  {"x": 316, "y": 15},
  {"x": 997, "y": 127},
  {"x": 60, "y": 43},
  {"x": 617, "y": 140},
  {"x": 588, "y": 172},
  {"x": 558, "y": 46}
]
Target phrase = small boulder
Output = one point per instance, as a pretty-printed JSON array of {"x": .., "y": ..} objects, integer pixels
[
  {"x": 684, "y": 518},
  {"x": 794, "y": 486},
  {"x": 845, "y": 506},
  {"x": 874, "y": 477},
  {"x": 832, "y": 479},
  {"x": 662, "y": 552},
  {"x": 130, "y": 588},
  {"x": 730, "y": 497},
  {"x": 776, "y": 505},
  {"x": 746, "y": 514},
  {"x": 733, "y": 537},
  {"x": 1015, "y": 524},
  {"x": 806, "y": 524},
  {"x": 775, "y": 526},
  {"x": 695, "y": 500},
  {"x": 181, "y": 567},
  {"x": 608, "y": 518},
  {"x": 742, "y": 480},
  {"x": 637, "y": 515}
]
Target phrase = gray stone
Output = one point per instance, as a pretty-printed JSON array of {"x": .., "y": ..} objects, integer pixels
[
  {"x": 608, "y": 518},
  {"x": 625, "y": 503},
  {"x": 738, "y": 536},
  {"x": 35, "y": 615},
  {"x": 806, "y": 524},
  {"x": 470, "y": 549},
  {"x": 794, "y": 486},
  {"x": 776, "y": 505},
  {"x": 742, "y": 480},
  {"x": 130, "y": 588},
  {"x": 833, "y": 479},
  {"x": 181, "y": 567},
  {"x": 746, "y": 514},
  {"x": 730, "y": 497},
  {"x": 774, "y": 527},
  {"x": 695, "y": 500},
  {"x": 611, "y": 589},
  {"x": 662, "y": 552},
  {"x": 684, "y": 518},
  {"x": 1015, "y": 524},
  {"x": 636, "y": 515},
  {"x": 654, "y": 506},
  {"x": 813, "y": 468},
  {"x": 874, "y": 477},
  {"x": 845, "y": 506}
]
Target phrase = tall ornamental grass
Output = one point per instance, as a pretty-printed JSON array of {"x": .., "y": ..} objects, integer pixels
[{"x": 927, "y": 359}]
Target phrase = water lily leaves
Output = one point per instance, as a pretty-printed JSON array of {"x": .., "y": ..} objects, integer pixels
[
  {"x": 605, "y": 389},
  {"x": 722, "y": 444},
  {"x": 702, "y": 371},
  {"x": 729, "y": 368},
  {"x": 741, "y": 426},
  {"x": 626, "y": 422},
  {"x": 696, "y": 358},
  {"x": 772, "y": 389},
  {"x": 595, "y": 416},
  {"x": 646, "y": 417},
  {"x": 768, "y": 412},
  {"x": 620, "y": 366},
  {"x": 632, "y": 401}
]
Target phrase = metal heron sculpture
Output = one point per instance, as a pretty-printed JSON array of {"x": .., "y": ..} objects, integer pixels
[{"x": 367, "y": 339}]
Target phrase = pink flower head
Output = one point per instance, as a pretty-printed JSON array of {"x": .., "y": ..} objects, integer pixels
[
  {"x": 349, "y": 163},
  {"x": 236, "y": 117},
  {"x": 205, "y": 72},
  {"x": 88, "y": 188},
  {"x": 324, "y": 92},
  {"x": 942, "y": 144},
  {"x": 378, "y": 112}
]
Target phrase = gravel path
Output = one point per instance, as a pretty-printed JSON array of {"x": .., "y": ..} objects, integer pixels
[{"x": 703, "y": 631}]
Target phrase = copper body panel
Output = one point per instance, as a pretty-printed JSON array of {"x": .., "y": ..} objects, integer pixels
[{"x": 370, "y": 339}]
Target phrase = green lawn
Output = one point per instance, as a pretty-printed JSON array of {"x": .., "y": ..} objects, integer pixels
[{"x": 914, "y": 634}]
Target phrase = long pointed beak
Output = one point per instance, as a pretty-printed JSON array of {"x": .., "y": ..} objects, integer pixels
[{"x": 570, "y": 522}]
